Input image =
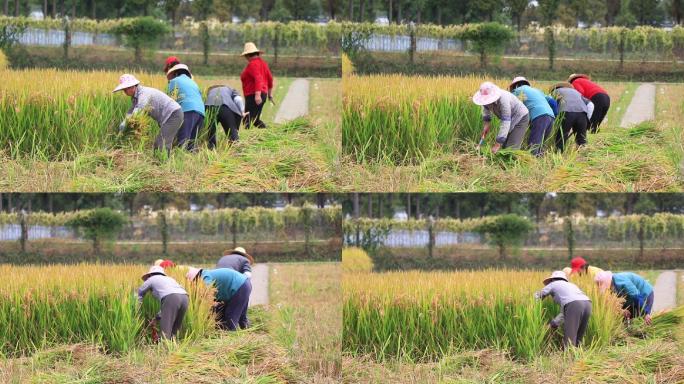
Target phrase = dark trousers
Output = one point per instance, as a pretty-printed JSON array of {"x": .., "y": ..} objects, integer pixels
[
  {"x": 573, "y": 122},
  {"x": 233, "y": 313},
  {"x": 230, "y": 121},
  {"x": 254, "y": 116},
  {"x": 645, "y": 310},
  {"x": 601, "y": 104},
  {"x": 173, "y": 308},
  {"x": 187, "y": 134},
  {"x": 541, "y": 129},
  {"x": 576, "y": 314}
]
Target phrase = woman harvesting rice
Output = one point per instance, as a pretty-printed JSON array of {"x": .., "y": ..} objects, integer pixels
[
  {"x": 257, "y": 85},
  {"x": 541, "y": 114},
  {"x": 228, "y": 108},
  {"x": 597, "y": 95},
  {"x": 189, "y": 96},
  {"x": 638, "y": 293},
  {"x": 232, "y": 295},
  {"x": 238, "y": 260},
  {"x": 575, "y": 307},
  {"x": 173, "y": 298},
  {"x": 163, "y": 109},
  {"x": 577, "y": 111},
  {"x": 512, "y": 112}
]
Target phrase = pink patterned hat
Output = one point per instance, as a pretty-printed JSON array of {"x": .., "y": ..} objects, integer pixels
[
  {"x": 487, "y": 94},
  {"x": 126, "y": 81}
]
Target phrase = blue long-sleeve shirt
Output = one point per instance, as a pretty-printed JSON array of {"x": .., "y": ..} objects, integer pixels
[
  {"x": 633, "y": 287},
  {"x": 226, "y": 281},
  {"x": 534, "y": 100},
  {"x": 188, "y": 95}
]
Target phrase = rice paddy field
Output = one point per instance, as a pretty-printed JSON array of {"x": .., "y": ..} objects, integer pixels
[
  {"x": 61, "y": 135},
  {"x": 413, "y": 133},
  {"x": 486, "y": 326},
  {"x": 79, "y": 323}
]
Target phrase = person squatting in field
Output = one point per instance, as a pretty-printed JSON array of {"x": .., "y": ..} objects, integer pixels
[
  {"x": 173, "y": 298},
  {"x": 238, "y": 260},
  {"x": 257, "y": 85},
  {"x": 158, "y": 105},
  {"x": 575, "y": 307},
  {"x": 576, "y": 112},
  {"x": 509, "y": 109},
  {"x": 232, "y": 295},
  {"x": 188, "y": 94},
  {"x": 540, "y": 113},
  {"x": 592, "y": 91},
  {"x": 638, "y": 293},
  {"x": 228, "y": 108}
]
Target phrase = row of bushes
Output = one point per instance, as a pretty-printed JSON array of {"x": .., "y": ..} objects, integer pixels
[
  {"x": 385, "y": 259},
  {"x": 53, "y": 252}
]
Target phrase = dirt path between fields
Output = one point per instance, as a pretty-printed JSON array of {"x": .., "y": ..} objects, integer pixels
[
  {"x": 665, "y": 296},
  {"x": 296, "y": 102},
  {"x": 259, "y": 294},
  {"x": 642, "y": 106}
]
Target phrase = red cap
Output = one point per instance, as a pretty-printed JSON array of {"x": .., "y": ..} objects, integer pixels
[
  {"x": 577, "y": 263},
  {"x": 167, "y": 264},
  {"x": 170, "y": 60}
]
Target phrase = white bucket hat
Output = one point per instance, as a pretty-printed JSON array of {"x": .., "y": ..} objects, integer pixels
[
  {"x": 250, "y": 48},
  {"x": 519, "y": 79},
  {"x": 179, "y": 67},
  {"x": 487, "y": 94},
  {"x": 154, "y": 269},
  {"x": 192, "y": 273},
  {"x": 556, "y": 275},
  {"x": 126, "y": 81}
]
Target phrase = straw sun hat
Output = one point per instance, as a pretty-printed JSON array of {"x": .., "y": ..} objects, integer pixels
[
  {"x": 555, "y": 276},
  {"x": 154, "y": 270},
  {"x": 250, "y": 48},
  {"x": 518, "y": 80},
  {"x": 179, "y": 67},
  {"x": 126, "y": 81},
  {"x": 242, "y": 252},
  {"x": 577, "y": 76},
  {"x": 487, "y": 94}
]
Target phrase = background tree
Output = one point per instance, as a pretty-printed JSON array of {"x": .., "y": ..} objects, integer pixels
[{"x": 98, "y": 225}]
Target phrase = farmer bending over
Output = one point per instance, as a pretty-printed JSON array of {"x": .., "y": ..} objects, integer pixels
[
  {"x": 597, "y": 95},
  {"x": 511, "y": 111},
  {"x": 580, "y": 266},
  {"x": 232, "y": 295},
  {"x": 257, "y": 85},
  {"x": 577, "y": 111},
  {"x": 163, "y": 109},
  {"x": 174, "y": 299},
  {"x": 189, "y": 96},
  {"x": 638, "y": 293},
  {"x": 228, "y": 107},
  {"x": 238, "y": 260},
  {"x": 541, "y": 114},
  {"x": 575, "y": 307}
]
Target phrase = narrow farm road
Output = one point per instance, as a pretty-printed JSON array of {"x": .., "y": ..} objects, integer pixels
[
  {"x": 665, "y": 296},
  {"x": 296, "y": 102},
  {"x": 259, "y": 294},
  {"x": 642, "y": 106}
]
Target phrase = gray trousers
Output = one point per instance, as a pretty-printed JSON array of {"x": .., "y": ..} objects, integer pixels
[
  {"x": 168, "y": 130},
  {"x": 576, "y": 315},
  {"x": 517, "y": 134},
  {"x": 173, "y": 308}
]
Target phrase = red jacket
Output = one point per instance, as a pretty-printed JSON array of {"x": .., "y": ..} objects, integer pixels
[
  {"x": 256, "y": 77},
  {"x": 587, "y": 88}
]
